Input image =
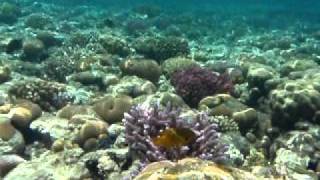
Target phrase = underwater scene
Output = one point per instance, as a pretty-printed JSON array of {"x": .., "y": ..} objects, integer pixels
[{"x": 160, "y": 89}]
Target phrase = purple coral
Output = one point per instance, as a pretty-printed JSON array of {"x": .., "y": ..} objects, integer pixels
[
  {"x": 143, "y": 124},
  {"x": 195, "y": 83}
]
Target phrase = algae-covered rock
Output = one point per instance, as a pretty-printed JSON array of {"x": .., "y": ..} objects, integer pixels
[
  {"x": 144, "y": 68},
  {"x": 50, "y": 128},
  {"x": 108, "y": 162},
  {"x": 5, "y": 74},
  {"x": 132, "y": 86},
  {"x": 9, "y": 13},
  {"x": 297, "y": 65},
  {"x": 115, "y": 45},
  {"x": 15, "y": 144},
  {"x": 293, "y": 165},
  {"x": 295, "y": 100},
  {"x": 175, "y": 64},
  {"x": 69, "y": 111},
  {"x": 88, "y": 78},
  {"x": 37, "y": 21},
  {"x": 226, "y": 105},
  {"x": 190, "y": 168},
  {"x": 24, "y": 113},
  {"x": 33, "y": 49},
  {"x": 9, "y": 162},
  {"x": 11, "y": 140},
  {"x": 50, "y": 165},
  {"x": 161, "y": 48},
  {"x": 111, "y": 108},
  {"x": 258, "y": 74}
]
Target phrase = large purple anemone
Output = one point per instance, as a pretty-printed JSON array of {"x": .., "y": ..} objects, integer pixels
[{"x": 145, "y": 126}]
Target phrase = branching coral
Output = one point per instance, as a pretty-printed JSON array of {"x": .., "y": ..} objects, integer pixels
[
  {"x": 195, "y": 83},
  {"x": 161, "y": 134}
]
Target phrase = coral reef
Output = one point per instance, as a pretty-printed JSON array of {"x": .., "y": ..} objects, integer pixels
[
  {"x": 195, "y": 83},
  {"x": 242, "y": 86},
  {"x": 156, "y": 134}
]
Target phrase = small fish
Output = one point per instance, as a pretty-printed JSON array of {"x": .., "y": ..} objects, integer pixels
[{"x": 174, "y": 137}]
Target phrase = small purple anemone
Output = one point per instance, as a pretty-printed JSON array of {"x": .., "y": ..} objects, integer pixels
[{"x": 143, "y": 124}]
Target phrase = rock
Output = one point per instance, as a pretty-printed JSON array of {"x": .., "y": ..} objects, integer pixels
[
  {"x": 108, "y": 163},
  {"x": 115, "y": 45},
  {"x": 246, "y": 118},
  {"x": 88, "y": 78},
  {"x": 297, "y": 65},
  {"x": 48, "y": 38},
  {"x": 9, "y": 162},
  {"x": 190, "y": 168},
  {"x": 50, "y": 128},
  {"x": 5, "y": 74},
  {"x": 9, "y": 13},
  {"x": 69, "y": 111},
  {"x": 37, "y": 21},
  {"x": 33, "y": 49},
  {"x": 226, "y": 105},
  {"x": 13, "y": 45},
  {"x": 258, "y": 74},
  {"x": 293, "y": 165},
  {"x": 111, "y": 108},
  {"x": 303, "y": 143},
  {"x": 7, "y": 131},
  {"x": 11, "y": 140},
  {"x": 175, "y": 64},
  {"x": 62, "y": 165},
  {"x": 24, "y": 113},
  {"x": 162, "y": 48},
  {"x": 295, "y": 100},
  {"x": 144, "y": 68},
  {"x": 132, "y": 86}
]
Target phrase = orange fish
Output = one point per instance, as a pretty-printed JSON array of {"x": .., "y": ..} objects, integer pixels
[{"x": 174, "y": 137}]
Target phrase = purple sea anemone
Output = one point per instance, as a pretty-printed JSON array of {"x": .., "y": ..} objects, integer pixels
[
  {"x": 156, "y": 134},
  {"x": 195, "y": 83}
]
